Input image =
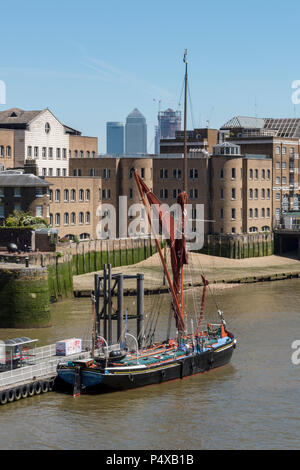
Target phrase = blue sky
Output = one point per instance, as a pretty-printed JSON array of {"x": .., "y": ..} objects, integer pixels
[{"x": 94, "y": 61}]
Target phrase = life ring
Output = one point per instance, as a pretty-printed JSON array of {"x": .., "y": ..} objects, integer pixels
[
  {"x": 45, "y": 387},
  {"x": 11, "y": 395},
  {"x": 18, "y": 393},
  {"x": 24, "y": 391},
  {"x": 37, "y": 388},
  {"x": 31, "y": 390},
  {"x": 3, "y": 398}
]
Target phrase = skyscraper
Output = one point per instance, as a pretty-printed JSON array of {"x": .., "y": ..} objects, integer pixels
[
  {"x": 115, "y": 138},
  {"x": 135, "y": 133},
  {"x": 169, "y": 122}
]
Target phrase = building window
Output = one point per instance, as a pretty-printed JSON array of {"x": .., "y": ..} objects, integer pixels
[
  {"x": 50, "y": 170},
  {"x": 221, "y": 213},
  {"x": 277, "y": 150},
  {"x": 268, "y": 212},
  {"x": 47, "y": 127},
  {"x": 292, "y": 150},
  {"x": 29, "y": 151},
  {"x": 251, "y": 174},
  {"x": 130, "y": 193},
  {"x": 232, "y": 193},
  {"x": 57, "y": 219},
  {"x": 263, "y": 212},
  {"x": 44, "y": 171},
  {"x": 277, "y": 165},
  {"x": 51, "y": 219},
  {"x": 81, "y": 217},
  {"x": 177, "y": 173},
  {"x": 57, "y": 171},
  {"x": 283, "y": 150},
  {"x": 64, "y": 170},
  {"x": 250, "y": 193},
  {"x": 268, "y": 193},
  {"x": 263, "y": 194},
  {"x": 193, "y": 193},
  {"x": 233, "y": 173},
  {"x": 87, "y": 195},
  {"x": 263, "y": 174},
  {"x": 58, "y": 153},
  {"x": 75, "y": 153},
  {"x": 233, "y": 230},
  {"x": 221, "y": 193},
  {"x": 255, "y": 193},
  {"x": 81, "y": 153},
  {"x": 87, "y": 218},
  {"x": 163, "y": 173},
  {"x": 143, "y": 173},
  {"x": 57, "y": 195},
  {"x": 283, "y": 165},
  {"x": 277, "y": 180},
  {"x": 283, "y": 180},
  {"x": 193, "y": 173},
  {"x": 105, "y": 193},
  {"x": 175, "y": 193},
  {"x": 222, "y": 174},
  {"x": 106, "y": 173},
  {"x": 36, "y": 152},
  {"x": 44, "y": 153},
  {"x": 66, "y": 195},
  {"x": 256, "y": 213},
  {"x": 1, "y": 151},
  {"x": 17, "y": 192},
  {"x": 8, "y": 151},
  {"x": 64, "y": 153},
  {"x": 93, "y": 154},
  {"x": 232, "y": 214},
  {"x": 66, "y": 218},
  {"x": 268, "y": 174},
  {"x": 163, "y": 193},
  {"x": 256, "y": 173},
  {"x": 250, "y": 213},
  {"x": 50, "y": 195},
  {"x": 87, "y": 154},
  {"x": 38, "y": 192},
  {"x": 81, "y": 194},
  {"x": 50, "y": 153},
  {"x": 73, "y": 195},
  {"x": 73, "y": 218},
  {"x": 253, "y": 229}
]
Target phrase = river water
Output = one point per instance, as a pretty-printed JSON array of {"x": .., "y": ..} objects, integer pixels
[{"x": 252, "y": 403}]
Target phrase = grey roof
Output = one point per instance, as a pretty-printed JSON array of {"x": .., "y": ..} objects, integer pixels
[
  {"x": 22, "y": 180},
  {"x": 15, "y": 117},
  {"x": 284, "y": 127},
  {"x": 226, "y": 144},
  {"x": 135, "y": 114},
  {"x": 244, "y": 122}
]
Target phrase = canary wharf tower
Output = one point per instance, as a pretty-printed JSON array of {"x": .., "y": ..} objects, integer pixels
[{"x": 135, "y": 133}]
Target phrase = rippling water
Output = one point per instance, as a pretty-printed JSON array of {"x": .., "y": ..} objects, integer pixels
[{"x": 252, "y": 403}]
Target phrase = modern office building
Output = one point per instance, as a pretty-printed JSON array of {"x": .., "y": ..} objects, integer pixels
[
  {"x": 169, "y": 122},
  {"x": 115, "y": 138},
  {"x": 135, "y": 134}
]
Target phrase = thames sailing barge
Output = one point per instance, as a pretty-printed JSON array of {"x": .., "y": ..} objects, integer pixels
[{"x": 208, "y": 346}]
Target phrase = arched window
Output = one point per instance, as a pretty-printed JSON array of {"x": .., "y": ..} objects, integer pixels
[
  {"x": 57, "y": 195},
  {"x": 87, "y": 218},
  {"x": 1, "y": 151},
  {"x": 81, "y": 194},
  {"x": 57, "y": 219},
  {"x": 81, "y": 217},
  {"x": 277, "y": 150},
  {"x": 8, "y": 151},
  {"x": 73, "y": 218},
  {"x": 66, "y": 218},
  {"x": 87, "y": 195},
  {"x": 66, "y": 195},
  {"x": 253, "y": 229},
  {"x": 87, "y": 154},
  {"x": 73, "y": 195},
  {"x": 265, "y": 228}
]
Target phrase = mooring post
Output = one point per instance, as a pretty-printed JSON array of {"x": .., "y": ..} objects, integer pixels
[
  {"x": 120, "y": 308},
  {"x": 109, "y": 285},
  {"x": 140, "y": 309},
  {"x": 104, "y": 302},
  {"x": 97, "y": 302}
]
